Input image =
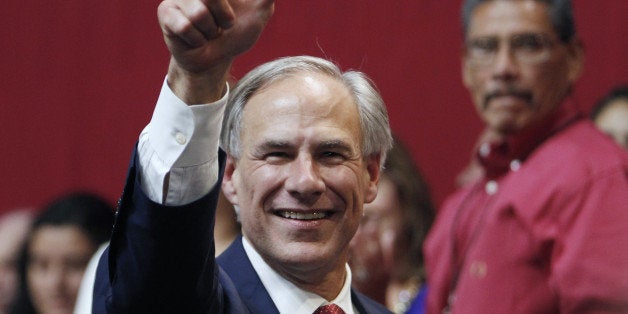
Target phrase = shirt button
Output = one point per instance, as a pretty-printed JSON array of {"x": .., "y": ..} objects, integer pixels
[
  {"x": 180, "y": 138},
  {"x": 478, "y": 269},
  {"x": 515, "y": 165},
  {"x": 491, "y": 187},
  {"x": 485, "y": 149}
]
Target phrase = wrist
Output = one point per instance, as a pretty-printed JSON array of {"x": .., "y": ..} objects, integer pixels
[{"x": 198, "y": 87}]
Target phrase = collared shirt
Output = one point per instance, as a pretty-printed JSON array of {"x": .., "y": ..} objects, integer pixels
[
  {"x": 289, "y": 298},
  {"x": 543, "y": 232},
  {"x": 180, "y": 144}
]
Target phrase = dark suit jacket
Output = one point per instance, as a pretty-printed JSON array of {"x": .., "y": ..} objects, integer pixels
[{"x": 161, "y": 260}]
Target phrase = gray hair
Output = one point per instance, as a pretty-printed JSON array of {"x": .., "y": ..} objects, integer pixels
[
  {"x": 560, "y": 13},
  {"x": 377, "y": 138}
]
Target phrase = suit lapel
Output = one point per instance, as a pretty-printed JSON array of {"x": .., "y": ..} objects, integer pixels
[
  {"x": 355, "y": 299},
  {"x": 364, "y": 304},
  {"x": 236, "y": 264}
]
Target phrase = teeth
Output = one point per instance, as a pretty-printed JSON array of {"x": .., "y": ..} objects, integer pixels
[{"x": 302, "y": 216}]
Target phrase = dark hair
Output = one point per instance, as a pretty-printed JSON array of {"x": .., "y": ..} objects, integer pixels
[
  {"x": 619, "y": 92},
  {"x": 417, "y": 210},
  {"x": 87, "y": 211},
  {"x": 560, "y": 13}
]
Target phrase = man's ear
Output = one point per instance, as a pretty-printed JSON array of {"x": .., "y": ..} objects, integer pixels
[
  {"x": 373, "y": 168},
  {"x": 576, "y": 59},
  {"x": 229, "y": 180}
]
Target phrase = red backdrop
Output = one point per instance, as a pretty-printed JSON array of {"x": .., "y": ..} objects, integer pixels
[{"x": 80, "y": 78}]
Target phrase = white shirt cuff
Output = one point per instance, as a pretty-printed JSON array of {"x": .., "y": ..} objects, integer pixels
[{"x": 182, "y": 141}]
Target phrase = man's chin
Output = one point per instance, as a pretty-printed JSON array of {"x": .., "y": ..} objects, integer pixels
[{"x": 504, "y": 126}]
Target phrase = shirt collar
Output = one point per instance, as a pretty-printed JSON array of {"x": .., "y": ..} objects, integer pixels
[
  {"x": 288, "y": 297},
  {"x": 498, "y": 157}
]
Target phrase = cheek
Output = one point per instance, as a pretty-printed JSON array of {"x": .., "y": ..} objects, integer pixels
[
  {"x": 547, "y": 81},
  {"x": 258, "y": 184},
  {"x": 351, "y": 177},
  {"x": 74, "y": 280},
  {"x": 33, "y": 283},
  {"x": 348, "y": 187},
  {"x": 37, "y": 285},
  {"x": 474, "y": 80}
]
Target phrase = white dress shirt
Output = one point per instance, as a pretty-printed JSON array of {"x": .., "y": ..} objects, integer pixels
[
  {"x": 84, "y": 300},
  {"x": 289, "y": 298}
]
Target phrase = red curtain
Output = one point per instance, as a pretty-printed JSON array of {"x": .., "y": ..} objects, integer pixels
[{"x": 80, "y": 78}]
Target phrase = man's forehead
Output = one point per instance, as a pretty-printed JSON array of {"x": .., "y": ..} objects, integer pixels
[
  {"x": 510, "y": 17},
  {"x": 310, "y": 79}
]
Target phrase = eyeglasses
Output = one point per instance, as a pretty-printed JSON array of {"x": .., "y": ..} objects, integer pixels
[{"x": 528, "y": 48}]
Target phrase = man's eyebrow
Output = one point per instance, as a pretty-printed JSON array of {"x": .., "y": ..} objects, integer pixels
[
  {"x": 272, "y": 145},
  {"x": 515, "y": 35},
  {"x": 336, "y": 145}
]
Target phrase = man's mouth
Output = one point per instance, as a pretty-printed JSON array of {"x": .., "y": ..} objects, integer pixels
[
  {"x": 524, "y": 95},
  {"x": 302, "y": 215}
]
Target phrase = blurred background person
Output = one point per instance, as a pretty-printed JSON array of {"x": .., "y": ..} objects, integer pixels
[
  {"x": 610, "y": 115},
  {"x": 14, "y": 226},
  {"x": 533, "y": 234},
  {"x": 63, "y": 237},
  {"x": 227, "y": 226},
  {"x": 386, "y": 255}
]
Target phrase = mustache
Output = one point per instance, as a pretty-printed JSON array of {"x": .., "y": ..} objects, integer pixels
[{"x": 524, "y": 95}]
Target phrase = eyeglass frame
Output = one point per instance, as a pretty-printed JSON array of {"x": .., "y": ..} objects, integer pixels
[{"x": 524, "y": 48}]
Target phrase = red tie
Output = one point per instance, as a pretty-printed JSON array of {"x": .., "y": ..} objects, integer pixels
[{"x": 329, "y": 309}]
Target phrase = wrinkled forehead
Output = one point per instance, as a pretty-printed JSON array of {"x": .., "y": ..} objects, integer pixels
[
  {"x": 509, "y": 17},
  {"x": 301, "y": 100},
  {"x": 322, "y": 88},
  {"x": 306, "y": 78}
]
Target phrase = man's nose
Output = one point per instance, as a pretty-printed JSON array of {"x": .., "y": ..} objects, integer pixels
[
  {"x": 304, "y": 180},
  {"x": 505, "y": 66},
  {"x": 55, "y": 277}
]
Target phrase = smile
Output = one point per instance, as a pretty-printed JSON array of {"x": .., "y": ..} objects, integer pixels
[{"x": 302, "y": 215}]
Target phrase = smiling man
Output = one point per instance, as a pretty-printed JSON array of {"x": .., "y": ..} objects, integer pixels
[
  {"x": 544, "y": 230},
  {"x": 303, "y": 147}
]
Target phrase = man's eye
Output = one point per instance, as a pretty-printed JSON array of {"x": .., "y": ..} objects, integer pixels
[
  {"x": 333, "y": 156},
  {"x": 276, "y": 154},
  {"x": 77, "y": 263},
  {"x": 528, "y": 43},
  {"x": 483, "y": 46}
]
